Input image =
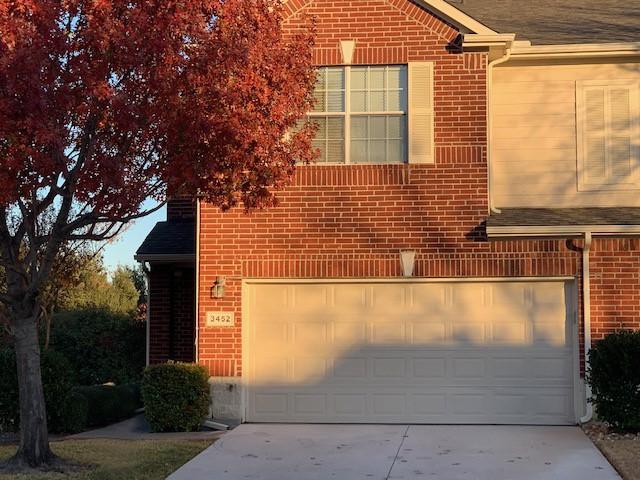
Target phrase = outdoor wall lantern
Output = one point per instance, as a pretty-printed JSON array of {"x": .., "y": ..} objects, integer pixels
[
  {"x": 217, "y": 290},
  {"x": 407, "y": 262}
]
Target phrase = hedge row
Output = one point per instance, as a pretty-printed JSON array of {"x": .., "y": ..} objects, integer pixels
[
  {"x": 69, "y": 409},
  {"x": 614, "y": 376}
]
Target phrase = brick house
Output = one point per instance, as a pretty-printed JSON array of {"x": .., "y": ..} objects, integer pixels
[{"x": 470, "y": 228}]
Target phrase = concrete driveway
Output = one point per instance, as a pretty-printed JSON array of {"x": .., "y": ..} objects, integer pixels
[{"x": 377, "y": 452}]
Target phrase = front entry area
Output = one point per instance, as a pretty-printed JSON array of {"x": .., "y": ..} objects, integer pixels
[{"x": 419, "y": 351}]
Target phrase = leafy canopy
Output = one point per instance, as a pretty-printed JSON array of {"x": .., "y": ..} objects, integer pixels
[{"x": 106, "y": 103}]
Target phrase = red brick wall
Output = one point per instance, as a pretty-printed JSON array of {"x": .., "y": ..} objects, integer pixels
[
  {"x": 615, "y": 286},
  {"x": 180, "y": 208},
  {"x": 172, "y": 314},
  {"x": 351, "y": 221}
]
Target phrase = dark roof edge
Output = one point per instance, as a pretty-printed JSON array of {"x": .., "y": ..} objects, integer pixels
[{"x": 165, "y": 258}]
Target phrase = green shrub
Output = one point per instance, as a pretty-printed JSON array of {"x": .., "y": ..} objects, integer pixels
[
  {"x": 103, "y": 346},
  {"x": 614, "y": 376},
  {"x": 76, "y": 413},
  {"x": 57, "y": 382},
  {"x": 110, "y": 403},
  {"x": 175, "y": 396}
]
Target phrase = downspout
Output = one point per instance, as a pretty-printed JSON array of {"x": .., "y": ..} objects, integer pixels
[
  {"x": 197, "y": 284},
  {"x": 147, "y": 278},
  {"x": 498, "y": 61},
  {"x": 586, "y": 302}
]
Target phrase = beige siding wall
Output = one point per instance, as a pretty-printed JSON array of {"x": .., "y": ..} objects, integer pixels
[{"x": 534, "y": 135}]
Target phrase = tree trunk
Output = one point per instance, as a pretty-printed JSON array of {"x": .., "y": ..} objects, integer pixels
[{"x": 34, "y": 448}]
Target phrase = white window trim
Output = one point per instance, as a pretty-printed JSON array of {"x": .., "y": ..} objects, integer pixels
[
  {"x": 348, "y": 113},
  {"x": 607, "y": 185}
]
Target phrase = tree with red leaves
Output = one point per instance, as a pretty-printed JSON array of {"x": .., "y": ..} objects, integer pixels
[{"x": 106, "y": 103}]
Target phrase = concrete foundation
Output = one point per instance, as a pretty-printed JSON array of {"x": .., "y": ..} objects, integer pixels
[{"x": 226, "y": 400}]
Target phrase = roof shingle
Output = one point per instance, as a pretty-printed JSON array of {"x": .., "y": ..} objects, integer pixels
[
  {"x": 531, "y": 217},
  {"x": 546, "y": 22},
  {"x": 174, "y": 238}
]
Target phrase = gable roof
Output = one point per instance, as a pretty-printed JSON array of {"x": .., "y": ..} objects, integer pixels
[
  {"x": 175, "y": 240},
  {"x": 545, "y": 22}
]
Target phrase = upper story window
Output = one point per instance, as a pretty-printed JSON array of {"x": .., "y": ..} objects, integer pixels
[
  {"x": 608, "y": 134},
  {"x": 362, "y": 114}
]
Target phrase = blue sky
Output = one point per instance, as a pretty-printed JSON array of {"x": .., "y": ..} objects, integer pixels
[{"x": 121, "y": 250}]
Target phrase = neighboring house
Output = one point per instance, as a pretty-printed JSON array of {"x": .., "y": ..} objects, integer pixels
[{"x": 508, "y": 175}]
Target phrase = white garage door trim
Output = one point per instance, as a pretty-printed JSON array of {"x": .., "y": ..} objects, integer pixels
[{"x": 571, "y": 317}]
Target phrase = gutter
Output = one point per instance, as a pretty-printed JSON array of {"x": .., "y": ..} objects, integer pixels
[
  {"x": 586, "y": 304},
  {"x": 526, "y": 51},
  {"x": 197, "y": 284},
  {"x": 147, "y": 280}
]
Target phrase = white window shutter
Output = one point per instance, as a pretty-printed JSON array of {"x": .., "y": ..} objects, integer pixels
[
  {"x": 621, "y": 139},
  {"x": 595, "y": 139},
  {"x": 608, "y": 134},
  {"x": 420, "y": 112}
]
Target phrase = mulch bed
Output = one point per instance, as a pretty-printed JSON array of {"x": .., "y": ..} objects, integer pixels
[{"x": 621, "y": 449}]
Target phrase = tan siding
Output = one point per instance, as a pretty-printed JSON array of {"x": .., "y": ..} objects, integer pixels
[{"x": 534, "y": 136}]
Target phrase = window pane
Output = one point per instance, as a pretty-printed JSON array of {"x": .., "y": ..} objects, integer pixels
[
  {"x": 321, "y": 123},
  {"x": 395, "y": 151},
  {"x": 377, "y": 153},
  {"x": 359, "y": 127},
  {"x": 335, "y": 151},
  {"x": 395, "y": 127},
  {"x": 329, "y": 92},
  {"x": 396, "y": 101},
  {"x": 335, "y": 128},
  {"x": 335, "y": 102},
  {"x": 376, "y": 100},
  {"x": 396, "y": 77},
  {"x": 359, "y": 101},
  {"x": 320, "y": 104},
  {"x": 329, "y": 138},
  {"x": 358, "y": 78},
  {"x": 377, "y": 127},
  {"x": 376, "y": 78},
  {"x": 320, "y": 145},
  {"x": 379, "y": 89},
  {"x": 378, "y": 138},
  {"x": 335, "y": 79},
  {"x": 359, "y": 151}
]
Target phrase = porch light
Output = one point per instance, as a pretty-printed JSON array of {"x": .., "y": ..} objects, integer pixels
[
  {"x": 407, "y": 262},
  {"x": 217, "y": 290}
]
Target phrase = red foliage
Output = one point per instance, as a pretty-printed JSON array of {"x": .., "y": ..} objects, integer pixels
[{"x": 118, "y": 99}]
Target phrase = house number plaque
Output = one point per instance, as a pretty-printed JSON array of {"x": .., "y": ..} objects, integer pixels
[{"x": 220, "y": 319}]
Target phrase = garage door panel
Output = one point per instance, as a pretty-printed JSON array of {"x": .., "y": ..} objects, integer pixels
[
  {"x": 428, "y": 332},
  {"x": 411, "y": 405},
  {"x": 476, "y": 352}
]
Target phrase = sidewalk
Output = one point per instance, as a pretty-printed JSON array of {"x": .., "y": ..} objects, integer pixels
[{"x": 137, "y": 428}]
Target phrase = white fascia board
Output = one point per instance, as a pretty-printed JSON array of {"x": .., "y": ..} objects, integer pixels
[
  {"x": 522, "y": 51},
  {"x": 562, "y": 231},
  {"x": 456, "y": 16},
  {"x": 474, "y": 40}
]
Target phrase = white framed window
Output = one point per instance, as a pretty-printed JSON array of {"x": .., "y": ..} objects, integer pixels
[
  {"x": 608, "y": 127},
  {"x": 361, "y": 114}
]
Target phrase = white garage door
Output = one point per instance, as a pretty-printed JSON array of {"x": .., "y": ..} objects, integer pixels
[{"x": 450, "y": 352}]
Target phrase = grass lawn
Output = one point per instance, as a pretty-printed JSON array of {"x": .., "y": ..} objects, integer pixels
[{"x": 117, "y": 459}]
